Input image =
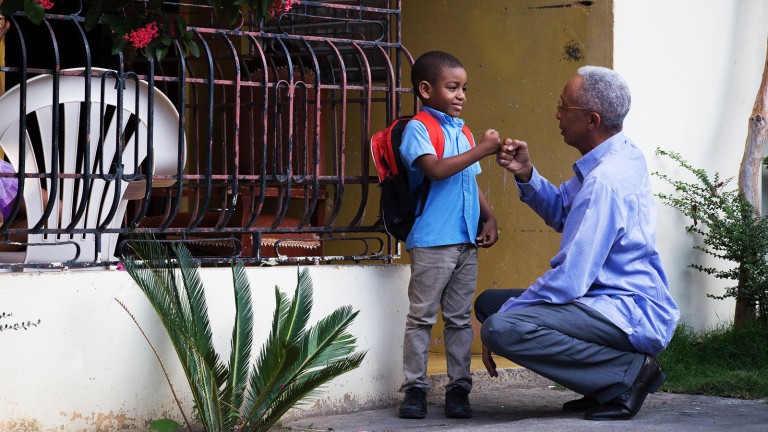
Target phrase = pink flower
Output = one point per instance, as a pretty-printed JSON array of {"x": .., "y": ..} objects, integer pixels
[
  {"x": 282, "y": 6},
  {"x": 46, "y": 4},
  {"x": 141, "y": 37}
]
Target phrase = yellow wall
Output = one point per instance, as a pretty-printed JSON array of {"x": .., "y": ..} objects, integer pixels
[{"x": 518, "y": 55}]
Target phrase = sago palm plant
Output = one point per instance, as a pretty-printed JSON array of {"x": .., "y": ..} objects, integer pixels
[{"x": 240, "y": 395}]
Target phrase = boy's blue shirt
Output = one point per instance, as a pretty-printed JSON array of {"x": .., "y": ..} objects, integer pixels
[{"x": 452, "y": 210}]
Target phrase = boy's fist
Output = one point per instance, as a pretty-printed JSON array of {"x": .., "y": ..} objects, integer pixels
[{"x": 490, "y": 141}]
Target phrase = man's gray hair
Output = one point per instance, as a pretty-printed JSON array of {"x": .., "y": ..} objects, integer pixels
[{"x": 604, "y": 91}]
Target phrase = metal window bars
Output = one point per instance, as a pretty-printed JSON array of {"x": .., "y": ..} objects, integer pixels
[{"x": 271, "y": 146}]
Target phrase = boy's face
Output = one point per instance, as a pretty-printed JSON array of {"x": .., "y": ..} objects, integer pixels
[{"x": 447, "y": 94}]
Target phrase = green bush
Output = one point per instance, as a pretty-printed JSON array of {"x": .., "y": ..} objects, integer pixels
[
  {"x": 240, "y": 395},
  {"x": 731, "y": 229}
]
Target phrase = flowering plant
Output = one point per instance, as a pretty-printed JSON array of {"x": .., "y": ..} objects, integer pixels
[
  {"x": 34, "y": 9},
  {"x": 143, "y": 24}
]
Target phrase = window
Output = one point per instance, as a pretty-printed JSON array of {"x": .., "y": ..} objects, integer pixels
[{"x": 269, "y": 156}]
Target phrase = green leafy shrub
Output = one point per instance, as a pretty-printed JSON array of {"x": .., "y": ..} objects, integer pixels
[
  {"x": 730, "y": 228},
  {"x": 242, "y": 396}
]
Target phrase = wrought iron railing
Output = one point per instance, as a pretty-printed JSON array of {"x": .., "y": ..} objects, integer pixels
[{"x": 268, "y": 159}]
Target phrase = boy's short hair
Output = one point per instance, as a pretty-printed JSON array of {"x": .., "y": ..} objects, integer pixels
[{"x": 430, "y": 65}]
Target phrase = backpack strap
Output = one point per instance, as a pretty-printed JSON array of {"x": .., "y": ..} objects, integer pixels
[
  {"x": 435, "y": 132},
  {"x": 468, "y": 134}
]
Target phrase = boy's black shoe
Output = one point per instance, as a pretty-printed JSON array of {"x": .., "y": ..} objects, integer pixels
[
  {"x": 457, "y": 403},
  {"x": 414, "y": 405}
]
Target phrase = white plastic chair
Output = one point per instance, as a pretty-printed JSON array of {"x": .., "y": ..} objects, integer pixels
[{"x": 39, "y": 148}]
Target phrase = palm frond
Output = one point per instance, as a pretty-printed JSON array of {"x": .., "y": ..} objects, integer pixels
[
  {"x": 196, "y": 312},
  {"x": 291, "y": 365},
  {"x": 297, "y": 317},
  {"x": 301, "y": 390},
  {"x": 325, "y": 344},
  {"x": 328, "y": 339},
  {"x": 242, "y": 341},
  {"x": 176, "y": 305},
  {"x": 317, "y": 357},
  {"x": 271, "y": 358},
  {"x": 321, "y": 346},
  {"x": 153, "y": 273}
]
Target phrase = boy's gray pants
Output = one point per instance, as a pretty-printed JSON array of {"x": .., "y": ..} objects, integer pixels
[{"x": 443, "y": 276}]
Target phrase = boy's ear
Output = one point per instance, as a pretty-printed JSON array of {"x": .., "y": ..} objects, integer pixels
[{"x": 424, "y": 89}]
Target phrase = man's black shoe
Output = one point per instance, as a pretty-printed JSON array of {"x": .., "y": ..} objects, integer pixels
[
  {"x": 414, "y": 405},
  {"x": 628, "y": 404},
  {"x": 580, "y": 405},
  {"x": 457, "y": 403}
]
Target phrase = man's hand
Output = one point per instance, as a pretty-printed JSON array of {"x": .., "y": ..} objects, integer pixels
[
  {"x": 490, "y": 142},
  {"x": 513, "y": 156},
  {"x": 490, "y": 365}
]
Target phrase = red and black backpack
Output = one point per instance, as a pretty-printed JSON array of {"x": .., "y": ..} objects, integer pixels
[{"x": 400, "y": 207}]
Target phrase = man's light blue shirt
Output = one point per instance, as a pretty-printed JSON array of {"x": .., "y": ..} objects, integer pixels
[
  {"x": 607, "y": 258},
  {"x": 452, "y": 210}
]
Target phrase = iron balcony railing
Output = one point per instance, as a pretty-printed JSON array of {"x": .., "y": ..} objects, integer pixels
[{"x": 257, "y": 148}]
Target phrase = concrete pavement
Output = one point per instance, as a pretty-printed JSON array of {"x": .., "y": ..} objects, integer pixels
[{"x": 520, "y": 400}]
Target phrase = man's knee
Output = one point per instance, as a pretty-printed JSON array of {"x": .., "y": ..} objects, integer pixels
[
  {"x": 500, "y": 333},
  {"x": 490, "y": 301},
  {"x": 487, "y": 334},
  {"x": 482, "y": 311}
]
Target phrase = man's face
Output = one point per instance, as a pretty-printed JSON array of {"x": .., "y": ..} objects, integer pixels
[
  {"x": 574, "y": 119},
  {"x": 448, "y": 93}
]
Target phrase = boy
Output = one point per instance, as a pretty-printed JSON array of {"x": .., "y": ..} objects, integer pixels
[{"x": 443, "y": 241}]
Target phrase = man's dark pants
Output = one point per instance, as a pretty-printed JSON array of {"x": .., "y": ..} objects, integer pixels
[{"x": 570, "y": 344}]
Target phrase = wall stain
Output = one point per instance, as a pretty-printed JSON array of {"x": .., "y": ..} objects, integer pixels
[
  {"x": 21, "y": 425},
  {"x": 101, "y": 422},
  {"x": 572, "y": 51},
  {"x": 566, "y": 5}
]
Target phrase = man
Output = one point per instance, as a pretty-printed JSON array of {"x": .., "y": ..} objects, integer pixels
[{"x": 593, "y": 322}]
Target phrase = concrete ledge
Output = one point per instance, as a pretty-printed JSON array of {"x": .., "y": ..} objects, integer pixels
[{"x": 87, "y": 367}]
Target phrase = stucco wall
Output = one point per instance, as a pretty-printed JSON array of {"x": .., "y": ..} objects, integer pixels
[
  {"x": 694, "y": 67},
  {"x": 87, "y": 366}
]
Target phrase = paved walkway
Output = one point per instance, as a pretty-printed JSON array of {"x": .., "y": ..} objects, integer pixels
[{"x": 522, "y": 401}]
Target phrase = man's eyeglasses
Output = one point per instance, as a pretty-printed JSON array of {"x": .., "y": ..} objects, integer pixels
[{"x": 562, "y": 106}]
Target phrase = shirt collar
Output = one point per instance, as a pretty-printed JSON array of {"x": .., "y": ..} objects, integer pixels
[
  {"x": 443, "y": 118},
  {"x": 591, "y": 160}
]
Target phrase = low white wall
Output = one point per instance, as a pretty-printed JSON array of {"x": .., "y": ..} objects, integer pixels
[
  {"x": 694, "y": 67},
  {"x": 87, "y": 366}
]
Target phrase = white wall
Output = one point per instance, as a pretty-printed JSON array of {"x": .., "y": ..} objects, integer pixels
[
  {"x": 694, "y": 67},
  {"x": 87, "y": 366}
]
